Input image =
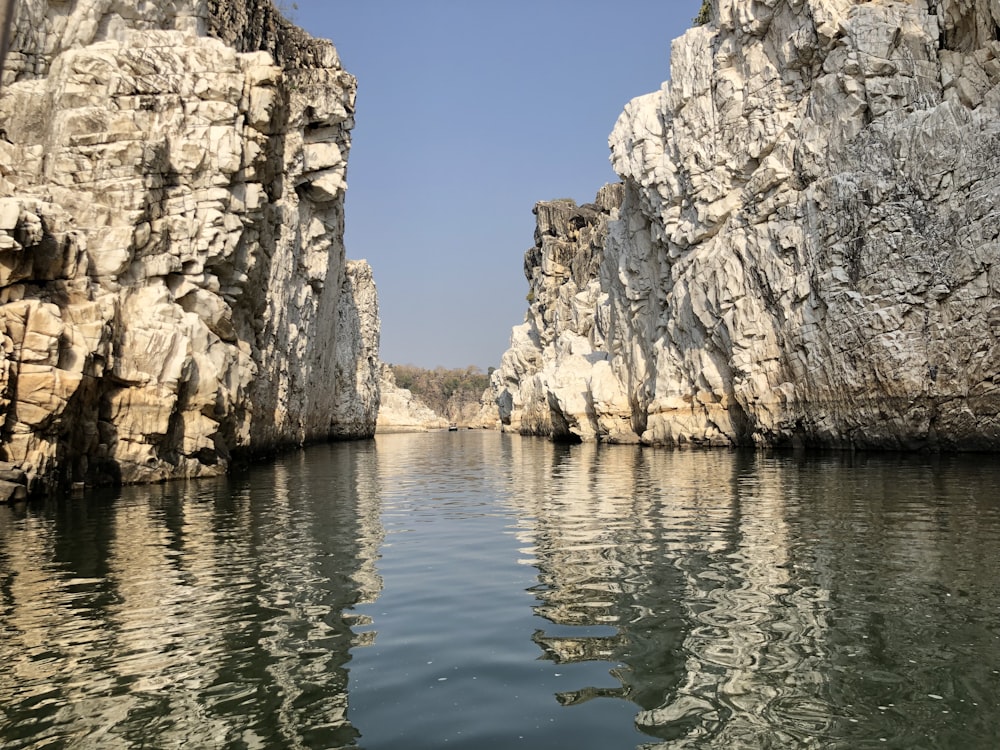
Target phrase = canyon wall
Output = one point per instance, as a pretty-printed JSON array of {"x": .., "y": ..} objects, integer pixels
[
  {"x": 556, "y": 379},
  {"x": 173, "y": 288},
  {"x": 402, "y": 411},
  {"x": 808, "y": 248},
  {"x": 434, "y": 403}
]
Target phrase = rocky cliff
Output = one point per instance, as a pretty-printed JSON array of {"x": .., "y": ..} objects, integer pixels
[
  {"x": 807, "y": 251},
  {"x": 556, "y": 379},
  {"x": 481, "y": 415},
  {"x": 401, "y": 411},
  {"x": 173, "y": 288},
  {"x": 439, "y": 398}
]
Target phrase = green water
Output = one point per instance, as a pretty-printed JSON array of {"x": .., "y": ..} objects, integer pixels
[{"x": 477, "y": 590}]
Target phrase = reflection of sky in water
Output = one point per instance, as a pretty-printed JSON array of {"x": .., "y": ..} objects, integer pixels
[{"x": 511, "y": 592}]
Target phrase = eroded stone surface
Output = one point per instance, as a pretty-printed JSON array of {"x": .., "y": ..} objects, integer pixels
[
  {"x": 173, "y": 286},
  {"x": 401, "y": 411},
  {"x": 808, "y": 246},
  {"x": 555, "y": 379}
]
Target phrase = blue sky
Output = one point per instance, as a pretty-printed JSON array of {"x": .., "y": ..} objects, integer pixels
[{"x": 469, "y": 113}]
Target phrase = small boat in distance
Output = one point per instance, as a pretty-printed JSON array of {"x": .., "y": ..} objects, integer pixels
[{"x": 452, "y": 427}]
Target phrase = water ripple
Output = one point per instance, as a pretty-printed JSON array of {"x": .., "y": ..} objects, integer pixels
[
  {"x": 478, "y": 590},
  {"x": 215, "y": 620},
  {"x": 771, "y": 647}
]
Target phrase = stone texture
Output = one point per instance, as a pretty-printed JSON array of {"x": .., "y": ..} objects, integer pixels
[
  {"x": 401, "y": 411},
  {"x": 173, "y": 288},
  {"x": 480, "y": 415},
  {"x": 547, "y": 380},
  {"x": 358, "y": 369},
  {"x": 807, "y": 248},
  {"x": 13, "y": 483}
]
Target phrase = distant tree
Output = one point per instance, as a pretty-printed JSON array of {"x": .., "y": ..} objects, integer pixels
[{"x": 446, "y": 391}]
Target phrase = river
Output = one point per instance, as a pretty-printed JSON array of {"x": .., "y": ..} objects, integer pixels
[{"x": 479, "y": 590}]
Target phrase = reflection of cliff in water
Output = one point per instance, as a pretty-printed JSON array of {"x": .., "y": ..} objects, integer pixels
[
  {"x": 673, "y": 567},
  {"x": 203, "y": 615},
  {"x": 756, "y": 636}
]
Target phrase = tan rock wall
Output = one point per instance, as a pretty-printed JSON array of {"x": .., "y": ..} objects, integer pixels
[
  {"x": 173, "y": 288},
  {"x": 401, "y": 411}
]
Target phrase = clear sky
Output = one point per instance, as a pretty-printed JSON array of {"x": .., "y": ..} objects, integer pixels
[{"x": 469, "y": 112}]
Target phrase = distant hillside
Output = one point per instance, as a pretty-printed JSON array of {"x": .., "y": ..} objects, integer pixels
[{"x": 450, "y": 393}]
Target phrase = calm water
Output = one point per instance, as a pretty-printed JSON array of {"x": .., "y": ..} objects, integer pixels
[{"x": 476, "y": 590}]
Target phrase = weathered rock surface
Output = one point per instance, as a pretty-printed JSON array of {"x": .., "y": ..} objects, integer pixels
[
  {"x": 547, "y": 381},
  {"x": 481, "y": 415},
  {"x": 173, "y": 288},
  {"x": 808, "y": 250},
  {"x": 13, "y": 483},
  {"x": 401, "y": 411}
]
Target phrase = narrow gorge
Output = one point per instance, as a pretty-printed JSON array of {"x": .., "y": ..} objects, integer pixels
[
  {"x": 804, "y": 249},
  {"x": 758, "y": 376},
  {"x": 173, "y": 287}
]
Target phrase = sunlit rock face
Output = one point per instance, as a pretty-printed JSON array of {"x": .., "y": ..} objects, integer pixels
[
  {"x": 556, "y": 379},
  {"x": 807, "y": 251},
  {"x": 481, "y": 415},
  {"x": 401, "y": 411},
  {"x": 173, "y": 288}
]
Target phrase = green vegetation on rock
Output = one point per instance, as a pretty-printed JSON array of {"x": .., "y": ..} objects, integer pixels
[{"x": 705, "y": 14}]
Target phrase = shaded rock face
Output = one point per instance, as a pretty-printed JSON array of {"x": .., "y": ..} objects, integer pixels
[
  {"x": 173, "y": 288},
  {"x": 807, "y": 250}
]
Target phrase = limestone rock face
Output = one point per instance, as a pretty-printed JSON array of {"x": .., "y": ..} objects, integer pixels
[
  {"x": 401, "y": 411},
  {"x": 173, "y": 288},
  {"x": 481, "y": 415},
  {"x": 357, "y": 370},
  {"x": 808, "y": 247},
  {"x": 558, "y": 361}
]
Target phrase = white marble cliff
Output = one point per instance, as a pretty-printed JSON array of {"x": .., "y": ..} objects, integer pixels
[
  {"x": 173, "y": 288},
  {"x": 400, "y": 410},
  {"x": 808, "y": 247}
]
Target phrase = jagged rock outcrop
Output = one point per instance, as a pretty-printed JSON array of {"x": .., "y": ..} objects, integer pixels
[
  {"x": 401, "y": 411},
  {"x": 173, "y": 289},
  {"x": 807, "y": 250},
  {"x": 556, "y": 378},
  {"x": 357, "y": 372}
]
